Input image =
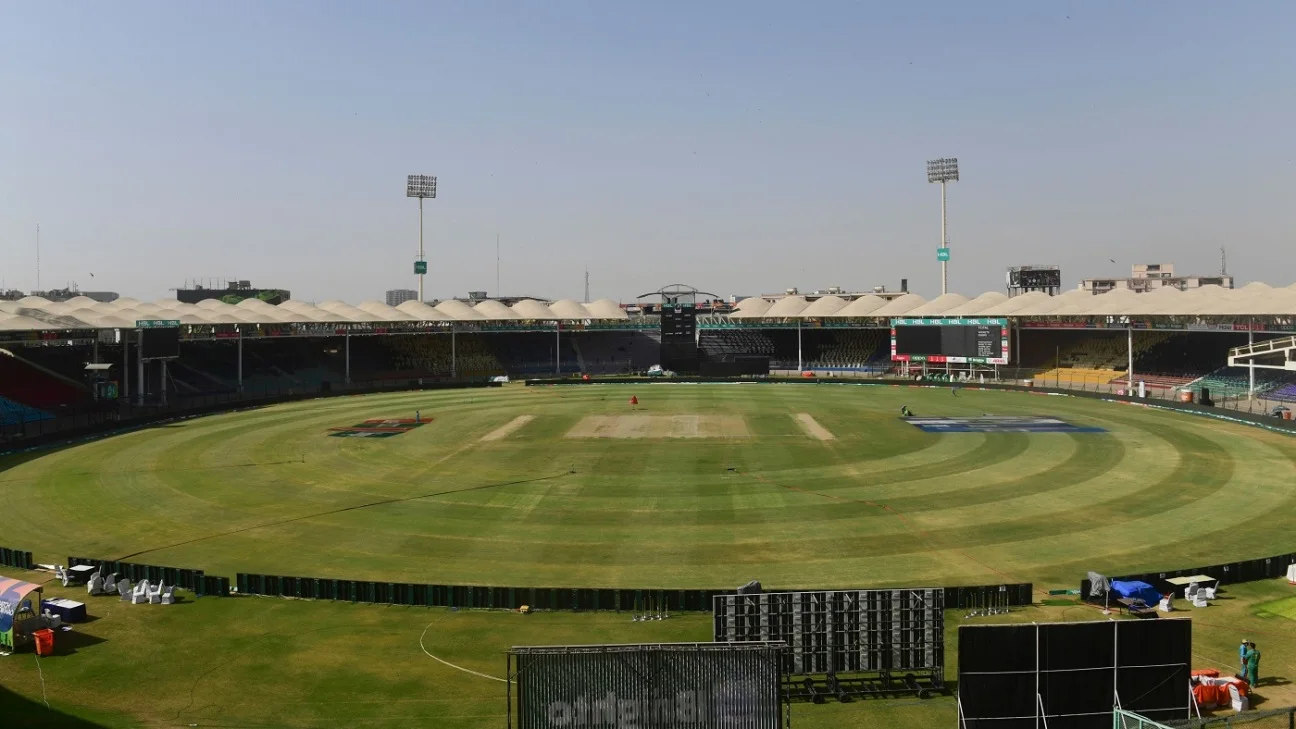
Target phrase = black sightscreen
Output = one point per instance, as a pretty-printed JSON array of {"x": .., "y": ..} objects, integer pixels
[
  {"x": 996, "y": 675},
  {"x": 1076, "y": 671}
]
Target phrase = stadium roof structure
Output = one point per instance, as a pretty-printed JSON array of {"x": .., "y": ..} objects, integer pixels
[
  {"x": 35, "y": 313},
  {"x": 1253, "y": 300}
]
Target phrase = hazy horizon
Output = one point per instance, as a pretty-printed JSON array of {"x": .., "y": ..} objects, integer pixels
[{"x": 742, "y": 149}]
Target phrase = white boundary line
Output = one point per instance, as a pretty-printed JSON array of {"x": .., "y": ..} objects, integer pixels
[{"x": 448, "y": 663}]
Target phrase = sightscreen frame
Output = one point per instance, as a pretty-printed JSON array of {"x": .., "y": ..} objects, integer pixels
[
  {"x": 647, "y": 686},
  {"x": 845, "y": 642}
]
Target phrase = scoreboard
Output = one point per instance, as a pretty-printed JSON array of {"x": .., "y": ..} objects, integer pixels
[
  {"x": 679, "y": 320},
  {"x": 976, "y": 341}
]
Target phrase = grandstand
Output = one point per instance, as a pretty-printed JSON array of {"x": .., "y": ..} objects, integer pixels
[
  {"x": 44, "y": 387},
  {"x": 1177, "y": 340},
  {"x": 866, "y": 350},
  {"x": 616, "y": 352}
]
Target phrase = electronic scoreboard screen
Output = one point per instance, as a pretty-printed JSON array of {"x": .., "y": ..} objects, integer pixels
[
  {"x": 978, "y": 341},
  {"x": 160, "y": 343},
  {"x": 678, "y": 320}
]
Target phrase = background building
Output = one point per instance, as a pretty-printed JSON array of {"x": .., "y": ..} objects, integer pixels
[
  {"x": 103, "y": 297},
  {"x": 232, "y": 293},
  {"x": 1151, "y": 276},
  {"x": 396, "y": 297}
]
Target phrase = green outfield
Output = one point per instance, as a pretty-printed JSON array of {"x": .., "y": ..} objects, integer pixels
[
  {"x": 696, "y": 486},
  {"x": 262, "y": 663}
]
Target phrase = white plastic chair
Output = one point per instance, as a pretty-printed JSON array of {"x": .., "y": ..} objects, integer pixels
[
  {"x": 1199, "y": 601},
  {"x": 1238, "y": 701},
  {"x": 110, "y": 584},
  {"x": 94, "y": 585},
  {"x": 1190, "y": 592},
  {"x": 155, "y": 594},
  {"x": 62, "y": 575},
  {"x": 140, "y": 595},
  {"x": 124, "y": 589},
  {"x": 1165, "y": 606},
  {"x": 168, "y": 596}
]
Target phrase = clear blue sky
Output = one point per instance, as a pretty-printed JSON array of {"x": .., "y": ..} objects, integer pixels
[{"x": 740, "y": 147}]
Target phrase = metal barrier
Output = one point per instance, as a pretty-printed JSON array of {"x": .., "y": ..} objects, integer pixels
[
  {"x": 1251, "y": 570},
  {"x": 188, "y": 579},
  {"x": 555, "y": 598},
  {"x": 15, "y": 558}
]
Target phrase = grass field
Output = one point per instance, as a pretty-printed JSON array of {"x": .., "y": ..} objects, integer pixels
[
  {"x": 567, "y": 486},
  {"x": 257, "y": 663},
  {"x": 699, "y": 486}
]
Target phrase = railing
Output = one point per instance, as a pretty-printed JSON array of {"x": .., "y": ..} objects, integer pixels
[
  {"x": 1268, "y": 346},
  {"x": 1122, "y": 719}
]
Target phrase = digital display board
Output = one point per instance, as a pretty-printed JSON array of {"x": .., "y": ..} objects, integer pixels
[
  {"x": 977, "y": 341},
  {"x": 159, "y": 343},
  {"x": 678, "y": 320}
]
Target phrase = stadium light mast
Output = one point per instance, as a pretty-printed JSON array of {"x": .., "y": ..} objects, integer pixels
[
  {"x": 943, "y": 170},
  {"x": 420, "y": 186}
]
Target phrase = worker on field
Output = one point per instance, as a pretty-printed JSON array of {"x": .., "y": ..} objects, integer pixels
[
  {"x": 1242, "y": 649},
  {"x": 1252, "y": 664},
  {"x": 905, "y": 411}
]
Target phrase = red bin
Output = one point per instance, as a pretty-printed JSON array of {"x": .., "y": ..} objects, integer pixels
[{"x": 44, "y": 642}]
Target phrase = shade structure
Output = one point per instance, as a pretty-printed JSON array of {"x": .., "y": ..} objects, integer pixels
[{"x": 33, "y": 313}]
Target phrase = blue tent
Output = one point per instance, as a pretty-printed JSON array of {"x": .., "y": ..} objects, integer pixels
[{"x": 1138, "y": 590}]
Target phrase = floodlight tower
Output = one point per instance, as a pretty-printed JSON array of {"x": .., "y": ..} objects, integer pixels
[
  {"x": 420, "y": 186},
  {"x": 943, "y": 170}
]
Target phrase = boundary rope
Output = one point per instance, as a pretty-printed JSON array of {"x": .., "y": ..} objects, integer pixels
[{"x": 448, "y": 663}]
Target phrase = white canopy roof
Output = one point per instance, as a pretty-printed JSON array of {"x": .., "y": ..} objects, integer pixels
[
  {"x": 34, "y": 313},
  {"x": 1252, "y": 300}
]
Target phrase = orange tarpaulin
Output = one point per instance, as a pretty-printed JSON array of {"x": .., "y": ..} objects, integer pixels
[{"x": 1211, "y": 691}]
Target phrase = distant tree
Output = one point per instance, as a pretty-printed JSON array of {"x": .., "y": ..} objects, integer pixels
[
  {"x": 231, "y": 299},
  {"x": 270, "y": 295}
]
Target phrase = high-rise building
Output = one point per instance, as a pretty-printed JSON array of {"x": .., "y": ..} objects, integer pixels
[
  {"x": 1151, "y": 276},
  {"x": 396, "y": 297}
]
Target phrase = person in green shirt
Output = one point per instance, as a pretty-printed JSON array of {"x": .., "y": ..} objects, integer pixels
[{"x": 1252, "y": 658}]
